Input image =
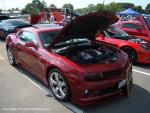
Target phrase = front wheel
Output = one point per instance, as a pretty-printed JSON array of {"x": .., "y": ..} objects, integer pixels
[
  {"x": 59, "y": 85},
  {"x": 10, "y": 56},
  {"x": 131, "y": 53}
]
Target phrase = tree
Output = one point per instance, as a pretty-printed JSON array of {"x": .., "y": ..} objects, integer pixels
[
  {"x": 138, "y": 9},
  {"x": 147, "y": 9},
  {"x": 52, "y": 6},
  {"x": 44, "y": 3},
  {"x": 100, "y": 7},
  {"x": 114, "y": 7},
  {"x": 33, "y": 7},
  {"x": 126, "y": 5},
  {"x": 68, "y": 6},
  {"x": 17, "y": 9}
]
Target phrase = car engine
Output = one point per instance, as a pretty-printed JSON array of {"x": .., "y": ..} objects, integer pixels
[{"x": 87, "y": 54}]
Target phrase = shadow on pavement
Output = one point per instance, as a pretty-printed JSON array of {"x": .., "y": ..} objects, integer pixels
[
  {"x": 145, "y": 66},
  {"x": 2, "y": 40},
  {"x": 34, "y": 79},
  {"x": 138, "y": 102}
]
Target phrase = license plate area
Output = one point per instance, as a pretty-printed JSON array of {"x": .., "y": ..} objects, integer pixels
[{"x": 122, "y": 83}]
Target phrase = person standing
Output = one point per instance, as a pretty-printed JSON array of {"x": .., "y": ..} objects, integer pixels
[{"x": 52, "y": 18}]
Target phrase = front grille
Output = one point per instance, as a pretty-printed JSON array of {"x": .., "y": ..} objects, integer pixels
[
  {"x": 110, "y": 89},
  {"x": 112, "y": 73}
]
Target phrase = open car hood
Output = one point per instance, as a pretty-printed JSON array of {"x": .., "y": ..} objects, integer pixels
[{"x": 86, "y": 26}]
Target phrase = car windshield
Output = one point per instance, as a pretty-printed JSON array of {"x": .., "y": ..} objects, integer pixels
[
  {"x": 147, "y": 20},
  {"x": 47, "y": 37},
  {"x": 113, "y": 31},
  {"x": 17, "y": 23}
]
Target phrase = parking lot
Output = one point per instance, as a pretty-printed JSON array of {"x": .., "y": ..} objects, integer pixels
[{"x": 21, "y": 92}]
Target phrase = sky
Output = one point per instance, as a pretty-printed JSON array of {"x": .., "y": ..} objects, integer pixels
[{"x": 59, "y": 3}]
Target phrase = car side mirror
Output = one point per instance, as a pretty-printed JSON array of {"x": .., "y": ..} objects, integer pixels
[{"x": 31, "y": 44}]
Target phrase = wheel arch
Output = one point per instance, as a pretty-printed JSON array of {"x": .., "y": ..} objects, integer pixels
[
  {"x": 134, "y": 50},
  {"x": 49, "y": 68},
  {"x": 126, "y": 46}
]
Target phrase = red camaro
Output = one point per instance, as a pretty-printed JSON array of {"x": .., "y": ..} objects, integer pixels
[
  {"x": 137, "y": 48},
  {"x": 136, "y": 28},
  {"x": 71, "y": 62}
]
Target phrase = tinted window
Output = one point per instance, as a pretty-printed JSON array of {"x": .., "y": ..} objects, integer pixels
[
  {"x": 147, "y": 20},
  {"x": 17, "y": 23},
  {"x": 113, "y": 31},
  {"x": 130, "y": 25},
  {"x": 2, "y": 17},
  {"x": 27, "y": 37},
  {"x": 47, "y": 37}
]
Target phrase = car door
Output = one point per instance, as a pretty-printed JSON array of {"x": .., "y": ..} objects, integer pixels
[
  {"x": 134, "y": 29},
  {"x": 28, "y": 56}
]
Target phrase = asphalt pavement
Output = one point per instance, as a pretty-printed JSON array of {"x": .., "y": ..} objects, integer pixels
[{"x": 20, "y": 92}]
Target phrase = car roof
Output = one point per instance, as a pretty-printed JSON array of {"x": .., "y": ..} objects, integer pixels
[
  {"x": 8, "y": 20},
  {"x": 36, "y": 29},
  {"x": 45, "y": 25},
  {"x": 131, "y": 21}
]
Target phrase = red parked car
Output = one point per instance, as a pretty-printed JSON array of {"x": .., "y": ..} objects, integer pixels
[
  {"x": 71, "y": 62},
  {"x": 136, "y": 28},
  {"x": 137, "y": 48}
]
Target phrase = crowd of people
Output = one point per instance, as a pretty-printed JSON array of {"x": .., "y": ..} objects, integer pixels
[{"x": 127, "y": 17}]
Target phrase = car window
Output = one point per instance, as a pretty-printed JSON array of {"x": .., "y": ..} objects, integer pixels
[
  {"x": 17, "y": 23},
  {"x": 27, "y": 37},
  {"x": 115, "y": 32},
  {"x": 47, "y": 37},
  {"x": 130, "y": 25}
]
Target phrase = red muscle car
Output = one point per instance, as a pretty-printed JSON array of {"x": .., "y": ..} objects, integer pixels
[
  {"x": 141, "y": 27},
  {"x": 71, "y": 62},
  {"x": 137, "y": 47}
]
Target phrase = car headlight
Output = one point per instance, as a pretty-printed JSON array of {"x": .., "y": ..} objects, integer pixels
[
  {"x": 145, "y": 47},
  {"x": 142, "y": 43},
  {"x": 91, "y": 77},
  {"x": 138, "y": 40}
]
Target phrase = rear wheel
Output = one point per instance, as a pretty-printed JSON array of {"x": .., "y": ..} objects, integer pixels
[
  {"x": 10, "y": 56},
  {"x": 59, "y": 85},
  {"x": 131, "y": 53}
]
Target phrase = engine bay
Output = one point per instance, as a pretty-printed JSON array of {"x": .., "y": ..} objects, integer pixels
[{"x": 91, "y": 53}]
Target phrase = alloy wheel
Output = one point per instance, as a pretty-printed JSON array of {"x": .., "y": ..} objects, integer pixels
[
  {"x": 10, "y": 56},
  {"x": 58, "y": 85}
]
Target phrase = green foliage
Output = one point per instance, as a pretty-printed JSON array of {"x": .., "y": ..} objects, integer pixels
[
  {"x": 114, "y": 7},
  {"x": 147, "y": 9},
  {"x": 100, "y": 7},
  {"x": 68, "y": 6},
  {"x": 126, "y": 5},
  {"x": 52, "y": 6},
  {"x": 33, "y": 7},
  {"x": 138, "y": 9}
]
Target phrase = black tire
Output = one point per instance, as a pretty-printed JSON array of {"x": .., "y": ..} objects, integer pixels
[
  {"x": 67, "y": 91},
  {"x": 131, "y": 53},
  {"x": 11, "y": 57}
]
